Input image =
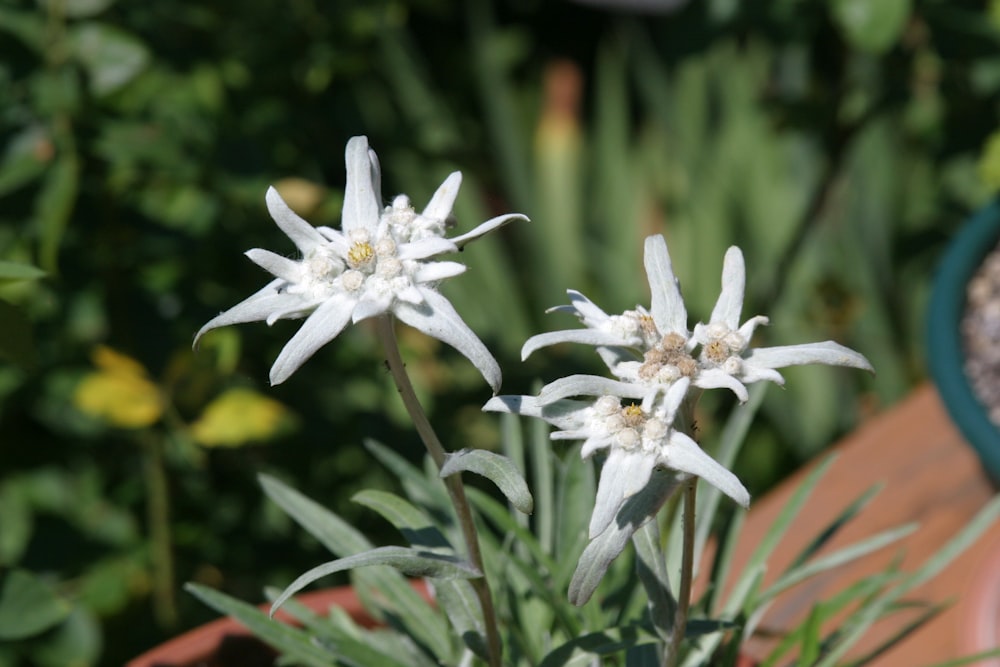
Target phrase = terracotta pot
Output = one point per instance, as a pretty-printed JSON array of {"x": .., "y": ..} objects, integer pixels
[
  {"x": 945, "y": 356},
  {"x": 980, "y": 610},
  {"x": 227, "y": 642}
]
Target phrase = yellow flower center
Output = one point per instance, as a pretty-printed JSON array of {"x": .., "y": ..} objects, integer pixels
[
  {"x": 717, "y": 351},
  {"x": 360, "y": 254},
  {"x": 632, "y": 414}
]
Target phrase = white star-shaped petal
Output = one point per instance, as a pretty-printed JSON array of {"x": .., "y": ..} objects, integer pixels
[{"x": 380, "y": 262}]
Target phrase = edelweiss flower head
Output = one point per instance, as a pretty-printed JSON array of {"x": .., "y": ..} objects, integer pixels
[
  {"x": 651, "y": 350},
  {"x": 379, "y": 262},
  {"x": 638, "y": 439},
  {"x": 725, "y": 343}
]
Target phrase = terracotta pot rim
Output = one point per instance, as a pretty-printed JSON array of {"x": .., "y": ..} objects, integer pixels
[{"x": 199, "y": 643}]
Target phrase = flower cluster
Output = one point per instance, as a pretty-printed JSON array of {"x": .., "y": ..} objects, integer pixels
[
  {"x": 654, "y": 358},
  {"x": 380, "y": 262}
]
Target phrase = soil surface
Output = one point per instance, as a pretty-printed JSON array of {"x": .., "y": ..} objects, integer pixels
[{"x": 981, "y": 334}]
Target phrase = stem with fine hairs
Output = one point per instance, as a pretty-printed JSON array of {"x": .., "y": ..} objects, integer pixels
[{"x": 456, "y": 491}]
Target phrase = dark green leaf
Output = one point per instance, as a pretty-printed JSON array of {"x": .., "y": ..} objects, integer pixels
[
  {"x": 78, "y": 9},
  {"x": 25, "y": 159},
  {"x": 28, "y": 606},
  {"x": 111, "y": 56},
  {"x": 14, "y": 271},
  {"x": 596, "y": 644},
  {"x": 871, "y": 25},
  {"x": 29, "y": 27},
  {"x": 54, "y": 207},
  {"x": 17, "y": 521},
  {"x": 76, "y": 642}
]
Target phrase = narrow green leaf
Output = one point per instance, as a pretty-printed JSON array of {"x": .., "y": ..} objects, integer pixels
[
  {"x": 970, "y": 659},
  {"x": 699, "y": 627},
  {"x": 14, "y": 271},
  {"x": 334, "y": 533},
  {"x": 617, "y": 194},
  {"x": 914, "y": 625},
  {"x": 605, "y": 548},
  {"x": 834, "y": 527},
  {"x": 774, "y": 534},
  {"x": 544, "y": 477},
  {"x": 536, "y": 568},
  {"x": 857, "y": 595},
  {"x": 730, "y": 443},
  {"x": 416, "y": 527},
  {"x": 499, "y": 105},
  {"x": 575, "y": 494},
  {"x": 396, "y": 600},
  {"x": 724, "y": 557},
  {"x": 28, "y": 606},
  {"x": 347, "y": 641},
  {"x": 753, "y": 572},
  {"x": 408, "y": 561},
  {"x": 459, "y": 601},
  {"x": 859, "y": 622},
  {"x": 652, "y": 571},
  {"x": 810, "y": 638},
  {"x": 423, "y": 490},
  {"x": 646, "y": 655},
  {"x": 495, "y": 467},
  {"x": 840, "y": 557},
  {"x": 583, "y": 650},
  {"x": 294, "y": 642}
]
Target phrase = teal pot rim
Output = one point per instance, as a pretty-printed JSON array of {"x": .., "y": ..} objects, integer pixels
[{"x": 945, "y": 353}]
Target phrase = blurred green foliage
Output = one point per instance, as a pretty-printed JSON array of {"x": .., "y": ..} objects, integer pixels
[{"x": 836, "y": 141}]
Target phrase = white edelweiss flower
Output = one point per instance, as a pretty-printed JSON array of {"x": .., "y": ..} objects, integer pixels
[
  {"x": 725, "y": 342},
  {"x": 649, "y": 350},
  {"x": 638, "y": 439},
  {"x": 378, "y": 263},
  {"x": 639, "y": 328}
]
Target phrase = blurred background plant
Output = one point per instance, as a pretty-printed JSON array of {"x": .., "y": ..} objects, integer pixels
[{"x": 839, "y": 142}]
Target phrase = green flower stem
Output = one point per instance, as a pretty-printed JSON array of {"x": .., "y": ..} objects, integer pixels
[
  {"x": 456, "y": 490},
  {"x": 158, "y": 518},
  {"x": 687, "y": 570}
]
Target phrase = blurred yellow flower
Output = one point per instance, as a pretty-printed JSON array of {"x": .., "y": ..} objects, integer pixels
[
  {"x": 989, "y": 162},
  {"x": 238, "y": 417},
  {"x": 119, "y": 392},
  {"x": 303, "y": 196}
]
